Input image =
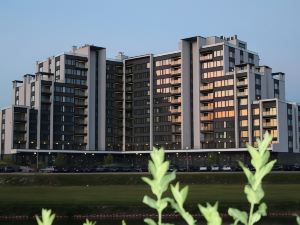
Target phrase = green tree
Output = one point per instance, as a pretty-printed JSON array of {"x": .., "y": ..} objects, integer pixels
[
  {"x": 59, "y": 161},
  {"x": 108, "y": 159}
]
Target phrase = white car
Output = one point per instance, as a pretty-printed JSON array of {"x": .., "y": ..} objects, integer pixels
[
  {"x": 226, "y": 168},
  {"x": 203, "y": 168},
  {"x": 47, "y": 170},
  {"x": 26, "y": 169},
  {"x": 215, "y": 168}
]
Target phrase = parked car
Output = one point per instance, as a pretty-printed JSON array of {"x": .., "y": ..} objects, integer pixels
[
  {"x": 171, "y": 168},
  {"x": 49, "y": 169},
  {"x": 215, "y": 168},
  {"x": 26, "y": 169},
  {"x": 203, "y": 168},
  {"x": 9, "y": 169},
  {"x": 181, "y": 169},
  {"x": 226, "y": 168},
  {"x": 277, "y": 168}
]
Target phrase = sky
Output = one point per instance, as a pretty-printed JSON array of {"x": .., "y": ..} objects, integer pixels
[{"x": 33, "y": 30}]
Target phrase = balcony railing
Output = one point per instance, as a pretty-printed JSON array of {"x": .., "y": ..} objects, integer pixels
[
  {"x": 206, "y": 118},
  {"x": 175, "y": 81},
  {"x": 242, "y": 83},
  {"x": 176, "y": 110},
  {"x": 270, "y": 124},
  {"x": 207, "y": 128},
  {"x": 175, "y": 62},
  {"x": 206, "y": 97},
  {"x": 206, "y": 88},
  {"x": 175, "y": 72},
  {"x": 270, "y": 113},
  {"x": 175, "y": 90},
  {"x": 175, "y": 100},
  {"x": 206, "y": 108},
  {"x": 242, "y": 93}
]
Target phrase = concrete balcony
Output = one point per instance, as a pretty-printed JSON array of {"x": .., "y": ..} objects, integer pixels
[
  {"x": 207, "y": 97},
  {"x": 208, "y": 127},
  {"x": 206, "y": 118},
  {"x": 206, "y": 108},
  {"x": 175, "y": 72},
  {"x": 206, "y": 88},
  {"x": 176, "y": 100},
  {"x": 175, "y": 62},
  {"x": 176, "y": 110},
  {"x": 270, "y": 113},
  {"x": 242, "y": 93},
  {"x": 176, "y": 81},
  {"x": 175, "y": 90},
  {"x": 270, "y": 124},
  {"x": 242, "y": 83}
]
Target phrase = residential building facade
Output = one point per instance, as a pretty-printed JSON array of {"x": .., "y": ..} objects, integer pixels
[{"x": 210, "y": 95}]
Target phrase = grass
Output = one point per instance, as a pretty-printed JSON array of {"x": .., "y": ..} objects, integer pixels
[
  {"x": 91, "y": 199},
  {"x": 93, "y": 193}
]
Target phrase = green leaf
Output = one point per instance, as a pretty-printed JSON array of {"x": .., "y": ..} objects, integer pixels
[
  {"x": 162, "y": 204},
  {"x": 262, "y": 209},
  {"x": 298, "y": 220},
  {"x": 254, "y": 196},
  {"x": 47, "y": 217},
  {"x": 123, "y": 222},
  {"x": 255, "y": 217},
  {"x": 150, "y": 202},
  {"x": 149, "y": 221},
  {"x": 87, "y": 222},
  {"x": 167, "y": 179},
  {"x": 184, "y": 192},
  {"x": 248, "y": 173},
  {"x": 263, "y": 172},
  {"x": 211, "y": 214},
  {"x": 238, "y": 216}
]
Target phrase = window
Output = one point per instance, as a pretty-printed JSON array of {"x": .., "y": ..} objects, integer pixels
[
  {"x": 243, "y": 101},
  {"x": 258, "y": 81},
  {"x": 244, "y": 134},
  {"x": 256, "y": 111},
  {"x": 243, "y": 112},
  {"x": 244, "y": 123},
  {"x": 256, "y": 122},
  {"x": 256, "y": 133}
]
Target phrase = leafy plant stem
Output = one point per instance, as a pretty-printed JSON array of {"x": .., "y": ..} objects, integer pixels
[{"x": 250, "y": 214}]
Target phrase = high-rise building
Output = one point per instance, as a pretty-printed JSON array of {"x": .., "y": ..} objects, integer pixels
[{"x": 210, "y": 95}]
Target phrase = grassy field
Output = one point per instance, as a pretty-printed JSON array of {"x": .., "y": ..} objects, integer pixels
[{"x": 92, "y": 197}]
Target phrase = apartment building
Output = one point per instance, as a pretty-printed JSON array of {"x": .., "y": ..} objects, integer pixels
[{"x": 209, "y": 95}]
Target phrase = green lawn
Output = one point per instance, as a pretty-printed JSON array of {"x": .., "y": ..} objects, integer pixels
[{"x": 74, "y": 199}]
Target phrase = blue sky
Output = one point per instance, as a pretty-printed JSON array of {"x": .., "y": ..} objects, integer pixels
[{"x": 32, "y": 30}]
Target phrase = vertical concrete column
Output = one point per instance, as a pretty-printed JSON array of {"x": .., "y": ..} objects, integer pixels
[
  {"x": 101, "y": 99},
  {"x": 185, "y": 95},
  {"x": 38, "y": 107},
  {"x": 196, "y": 93},
  {"x": 124, "y": 101},
  {"x": 151, "y": 101},
  {"x": 91, "y": 82}
]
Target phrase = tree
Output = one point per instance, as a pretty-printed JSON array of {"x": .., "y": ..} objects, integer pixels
[
  {"x": 59, "y": 161},
  {"x": 108, "y": 159}
]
